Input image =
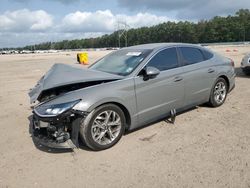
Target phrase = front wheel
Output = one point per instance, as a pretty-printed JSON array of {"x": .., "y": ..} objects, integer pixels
[
  {"x": 219, "y": 93},
  {"x": 103, "y": 127}
]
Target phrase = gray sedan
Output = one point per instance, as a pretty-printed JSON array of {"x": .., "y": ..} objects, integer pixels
[
  {"x": 245, "y": 64},
  {"x": 125, "y": 90}
]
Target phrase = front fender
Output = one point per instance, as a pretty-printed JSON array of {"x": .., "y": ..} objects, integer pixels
[
  {"x": 120, "y": 91},
  {"x": 88, "y": 107}
]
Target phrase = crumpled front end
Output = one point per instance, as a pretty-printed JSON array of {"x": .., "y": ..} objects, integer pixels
[
  {"x": 35, "y": 92},
  {"x": 55, "y": 121},
  {"x": 63, "y": 78},
  {"x": 57, "y": 131}
]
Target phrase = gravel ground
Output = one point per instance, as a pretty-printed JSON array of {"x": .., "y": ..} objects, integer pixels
[{"x": 206, "y": 147}]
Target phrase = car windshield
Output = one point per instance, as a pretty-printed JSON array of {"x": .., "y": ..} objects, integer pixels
[{"x": 121, "y": 62}]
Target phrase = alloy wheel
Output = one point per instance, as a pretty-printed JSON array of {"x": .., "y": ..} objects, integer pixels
[
  {"x": 106, "y": 127},
  {"x": 220, "y": 91}
]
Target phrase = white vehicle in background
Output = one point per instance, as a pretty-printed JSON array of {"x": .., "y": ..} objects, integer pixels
[
  {"x": 6, "y": 52},
  {"x": 26, "y": 52},
  {"x": 245, "y": 64}
]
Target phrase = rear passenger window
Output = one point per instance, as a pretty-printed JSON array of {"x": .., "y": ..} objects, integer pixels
[
  {"x": 208, "y": 55},
  {"x": 191, "y": 55},
  {"x": 164, "y": 60}
]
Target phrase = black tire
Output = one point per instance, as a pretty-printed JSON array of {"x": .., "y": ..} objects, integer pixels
[
  {"x": 246, "y": 71},
  {"x": 78, "y": 59},
  {"x": 212, "y": 100},
  {"x": 87, "y": 123}
]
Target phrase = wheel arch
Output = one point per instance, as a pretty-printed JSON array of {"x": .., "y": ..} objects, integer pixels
[{"x": 226, "y": 79}]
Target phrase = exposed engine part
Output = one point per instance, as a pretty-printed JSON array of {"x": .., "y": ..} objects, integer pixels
[
  {"x": 51, "y": 128},
  {"x": 62, "y": 137},
  {"x": 59, "y": 133},
  {"x": 51, "y": 93}
]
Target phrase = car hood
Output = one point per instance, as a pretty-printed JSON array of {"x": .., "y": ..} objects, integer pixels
[{"x": 62, "y": 75}]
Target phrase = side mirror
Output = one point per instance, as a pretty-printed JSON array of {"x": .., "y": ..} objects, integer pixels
[{"x": 151, "y": 72}]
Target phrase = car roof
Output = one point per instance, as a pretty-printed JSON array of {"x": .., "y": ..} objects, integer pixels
[{"x": 155, "y": 46}]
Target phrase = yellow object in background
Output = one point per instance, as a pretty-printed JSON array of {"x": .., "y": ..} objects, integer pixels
[{"x": 83, "y": 58}]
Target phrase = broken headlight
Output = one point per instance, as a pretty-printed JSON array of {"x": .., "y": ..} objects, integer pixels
[{"x": 55, "y": 109}]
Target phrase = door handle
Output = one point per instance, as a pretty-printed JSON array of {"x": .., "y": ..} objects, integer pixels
[
  {"x": 178, "y": 78},
  {"x": 210, "y": 70}
]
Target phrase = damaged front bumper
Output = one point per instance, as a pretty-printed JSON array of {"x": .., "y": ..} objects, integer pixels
[{"x": 57, "y": 132}]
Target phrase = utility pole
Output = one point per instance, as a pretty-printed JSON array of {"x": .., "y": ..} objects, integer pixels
[{"x": 122, "y": 29}]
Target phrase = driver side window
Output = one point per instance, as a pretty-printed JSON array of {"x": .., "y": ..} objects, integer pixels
[{"x": 165, "y": 60}]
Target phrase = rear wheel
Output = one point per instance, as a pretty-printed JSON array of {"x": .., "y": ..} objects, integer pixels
[
  {"x": 219, "y": 93},
  {"x": 103, "y": 127}
]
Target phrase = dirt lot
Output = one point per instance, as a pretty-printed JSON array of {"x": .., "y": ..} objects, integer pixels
[{"x": 206, "y": 147}]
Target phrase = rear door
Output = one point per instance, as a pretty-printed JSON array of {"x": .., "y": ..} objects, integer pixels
[
  {"x": 198, "y": 74},
  {"x": 157, "y": 96}
]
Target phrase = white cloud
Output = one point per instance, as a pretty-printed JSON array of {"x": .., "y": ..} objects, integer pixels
[
  {"x": 106, "y": 21},
  {"x": 25, "y": 20},
  {"x": 99, "y": 21},
  {"x": 25, "y": 27}
]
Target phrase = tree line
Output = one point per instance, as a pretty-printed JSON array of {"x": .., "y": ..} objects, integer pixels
[{"x": 233, "y": 28}]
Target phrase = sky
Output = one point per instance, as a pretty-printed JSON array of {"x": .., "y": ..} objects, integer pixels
[{"x": 27, "y": 22}]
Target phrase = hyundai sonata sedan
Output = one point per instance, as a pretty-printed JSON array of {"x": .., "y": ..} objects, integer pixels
[{"x": 125, "y": 90}]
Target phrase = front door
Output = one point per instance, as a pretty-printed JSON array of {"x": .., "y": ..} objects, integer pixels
[{"x": 156, "y": 97}]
